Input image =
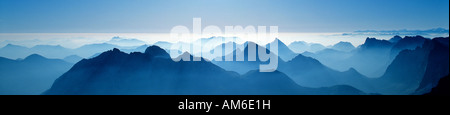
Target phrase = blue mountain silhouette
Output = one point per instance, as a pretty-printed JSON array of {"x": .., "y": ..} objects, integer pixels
[
  {"x": 343, "y": 46},
  {"x": 283, "y": 51},
  {"x": 154, "y": 72},
  {"x": 244, "y": 66},
  {"x": 30, "y": 76},
  {"x": 416, "y": 71},
  {"x": 437, "y": 66}
]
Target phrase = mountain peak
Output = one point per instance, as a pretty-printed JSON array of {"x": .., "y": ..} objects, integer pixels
[
  {"x": 12, "y": 45},
  {"x": 395, "y": 39},
  {"x": 376, "y": 43},
  {"x": 115, "y": 50},
  {"x": 9, "y": 44},
  {"x": 279, "y": 42},
  {"x": 342, "y": 43},
  {"x": 185, "y": 54},
  {"x": 343, "y": 46},
  {"x": 156, "y": 51},
  {"x": 351, "y": 69},
  {"x": 34, "y": 57},
  {"x": 414, "y": 37},
  {"x": 116, "y": 38}
]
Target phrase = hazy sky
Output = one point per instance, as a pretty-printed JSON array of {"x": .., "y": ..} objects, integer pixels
[{"x": 159, "y": 16}]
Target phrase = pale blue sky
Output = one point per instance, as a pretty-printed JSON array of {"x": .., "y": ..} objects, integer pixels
[{"x": 159, "y": 16}]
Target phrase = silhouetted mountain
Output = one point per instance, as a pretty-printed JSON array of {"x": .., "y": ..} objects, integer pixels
[
  {"x": 278, "y": 83},
  {"x": 57, "y": 51},
  {"x": 153, "y": 72},
  {"x": 370, "y": 59},
  {"x": 437, "y": 66},
  {"x": 283, "y": 51},
  {"x": 30, "y": 76},
  {"x": 245, "y": 65},
  {"x": 395, "y": 39},
  {"x": 373, "y": 43},
  {"x": 163, "y": 45},
  {"x": 311, "y": 73},
  {"x": 409, "y": 42},
  {"x": 442, "y": 40},
  {"x": 404, "y": 74},
  {"x": 443, "y": 87},
  {"x": 303, "y": 70},
  {"x": 72, "y": 59},
  {"x": 343, "y": 46}
]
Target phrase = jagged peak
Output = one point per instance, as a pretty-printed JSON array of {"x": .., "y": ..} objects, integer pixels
[
  {"x": 395, "y": 39},
  {"x": 156, "y": 51},
  {"x": 116, "y": 50},
  {"x": 414, "y": 37}
]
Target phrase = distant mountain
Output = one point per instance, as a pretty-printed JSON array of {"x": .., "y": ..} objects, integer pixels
[
  {"x": 343, "y": 46},
  {"x": 301, "y": 46},
  {"x": 314, "y": 47},
  {"x": 278, "y": 83},
  {"x": 72, "y": 59},
  {"x": 283, "y": 51},
  {"x": 226, "y": 49},
  {"x": 332, "y": 58},
  {"x": 401, "y": 32},
  {"x": 137, "y": 49},
  {"x": 153, "y": 72},
  {"x": 14, "y": 51},
  {"x": 56, "y": 51},
  {"x": 163, "y": 45},
  {"x": 214, "y": 41},
  {"x": 125, "y": 42},
  {"x": 52, "y": 51},
  {"x": 30, "y": 76},
  {"x": 91, "y": 49},
  {"x": 245, "y": 65}
]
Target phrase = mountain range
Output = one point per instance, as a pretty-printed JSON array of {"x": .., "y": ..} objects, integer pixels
[
  {"x": 408, "y": 65},
  {"x": 154, "y": 72},
  {"x": 14, "y": 51}
]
